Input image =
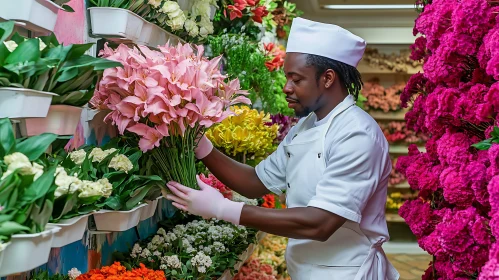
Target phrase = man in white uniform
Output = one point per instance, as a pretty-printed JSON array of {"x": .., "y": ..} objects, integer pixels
[{"x": 333, "y": 165}]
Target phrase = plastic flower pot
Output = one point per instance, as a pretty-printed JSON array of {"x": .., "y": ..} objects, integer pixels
[
  {"x": 24, "y": 103},
  {"x": 107, "y": 220},
  {"x": 72, "y": 230},
  {"x": 124, "y": 25},
  {"x": 2, "y": 252},
  {"x": 61, "y": 120},
  {"x": 149, "y": 210},
  {"x": 39, "y": 15},
  {"x": 27, "y": 251}
]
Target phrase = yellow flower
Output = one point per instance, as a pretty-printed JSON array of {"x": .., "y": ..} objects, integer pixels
[{"x": 245, "y": 132}]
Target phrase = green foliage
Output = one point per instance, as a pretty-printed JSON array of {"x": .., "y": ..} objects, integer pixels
[
  {"x": 46, "y": 65},
  {"x": 243, "y": 60},
  {"x": 487, "y": 143}
]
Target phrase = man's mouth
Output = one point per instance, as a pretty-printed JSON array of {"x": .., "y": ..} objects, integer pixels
[{"x": 292, "y": 100}]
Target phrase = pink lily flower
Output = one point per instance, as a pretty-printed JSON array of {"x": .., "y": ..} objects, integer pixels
[{"x": 150, "y": 137}]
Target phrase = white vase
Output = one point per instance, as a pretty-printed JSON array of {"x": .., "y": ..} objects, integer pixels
[{"x": 71, "y": 231}]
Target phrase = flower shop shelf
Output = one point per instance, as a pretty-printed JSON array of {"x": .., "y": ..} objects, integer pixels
[
  {"x": 24, "y": 103},
  {"x": 394, "y": 218},
  {"x": 403, "y": 185},
  {"x": 388, "y": 116},
  {"x": 71, "y": 231},
  {"x": 403, "y": 150},
  {"x": 27, "y": 251},
  {"x": 365, "y": 68},
  {"x": 38, "y": 15},
  {"x": 106, "y": 220},
  {"x": 124, "y": 26}
]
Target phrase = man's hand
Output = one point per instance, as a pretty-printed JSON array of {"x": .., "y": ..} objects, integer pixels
[{"x": 207, "y": 202}]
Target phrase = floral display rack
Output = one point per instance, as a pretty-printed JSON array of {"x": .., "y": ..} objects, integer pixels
[{"x": 388, "y": 70}]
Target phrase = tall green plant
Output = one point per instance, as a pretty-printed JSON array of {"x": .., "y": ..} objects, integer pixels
[
  {"x": 26, "y": 203},
  {"x": 46, "y": 65}
]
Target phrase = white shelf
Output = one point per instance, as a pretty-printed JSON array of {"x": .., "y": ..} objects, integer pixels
[
  {"x": 407, "y": 248},
  {"x": 403, "y": 185},
  {"x": 388, "y": 116},
  {"x": 394, "y": 218},
  {"x": 35, "y": 15},
  {"x": 403, "y": 150},
  {"x": 123, "y": 26}
]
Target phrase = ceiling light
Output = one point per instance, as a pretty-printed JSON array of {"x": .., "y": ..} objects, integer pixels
[{"x": 368, "y": 7}]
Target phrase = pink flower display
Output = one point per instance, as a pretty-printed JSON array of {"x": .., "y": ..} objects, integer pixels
[
  {"x": 167, "y": 98},
  {"x": 455, "y": 102}
]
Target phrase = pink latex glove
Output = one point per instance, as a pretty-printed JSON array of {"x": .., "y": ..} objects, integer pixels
[
  {"x": 207, "y": 202},
  {"x": 204, "y": 148}
]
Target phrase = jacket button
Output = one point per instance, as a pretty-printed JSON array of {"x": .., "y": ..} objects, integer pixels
[
  {"x": 319, "y": 155},
  {"x": 288, "y": 186},
  {"x": 289, "y": 155}
]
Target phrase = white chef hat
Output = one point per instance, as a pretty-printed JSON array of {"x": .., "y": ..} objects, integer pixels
[{"x": 326, "y": 40}]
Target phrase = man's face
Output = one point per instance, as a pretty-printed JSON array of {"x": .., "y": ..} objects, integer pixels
[{"x": 301, "y": 89}]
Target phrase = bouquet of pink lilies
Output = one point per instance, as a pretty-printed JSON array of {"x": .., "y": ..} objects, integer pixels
[{"x": 167, "y": 98}]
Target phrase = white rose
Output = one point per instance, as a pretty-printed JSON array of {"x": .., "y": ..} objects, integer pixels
[
  {"x": 11, "y": 45},
  {"x": 74, "y": 273},
  {"x": 106, "y": 187},
  {"x": 189, "y": 25},
  {"x": 65, "y": 183},
  {"x": 17, "y": 161},
  {"x": 78, "y": 156},
  {"x": 201, "y": 8},
  {"x": 170, "y": 6},
  {"x": 203, "y": 32},
  {"x": 121, "y": 163},
  {"x": 36, "y": 170},
  {"x": 97, "y": 155},
  {"x": 90, "y": 189},
  {"x": 177, "y": 22},
  {"x": 154, "y": 3}
]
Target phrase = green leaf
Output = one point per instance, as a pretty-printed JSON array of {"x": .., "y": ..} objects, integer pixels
[
  {"x": 7, "y": 138},
  {"x": 35, "y": 146},
  {"x": 64, "y": 205},
  {"x": 68, "y": 75},
  {"x": 97, "y": 63},
  {"x": 51, "y": 41},
  {"x": 6, "y": 29},
  {"x": 68, "y": 9},
  {"x": 18, "y": 39},
  {"x": 4, "y": 52},
  {"x": 137, "y": 197},
  {"x": 40, "y": 187},
  {"x": 114, "y": 203},
  {"x": 9, "y": 228},
  {"x": 28, "y": 50},
  {"x": 482, "y": 145},
  {"x": 495, "y": 132},
  {"x": 41, "y": 215},
  {"x": 77, "y": 51}
]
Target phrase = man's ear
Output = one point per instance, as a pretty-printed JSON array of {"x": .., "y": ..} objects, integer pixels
[{"x": 329, "y": 78}]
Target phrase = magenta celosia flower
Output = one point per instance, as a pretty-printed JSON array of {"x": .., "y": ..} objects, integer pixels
[{"x": 490, "y": 271}]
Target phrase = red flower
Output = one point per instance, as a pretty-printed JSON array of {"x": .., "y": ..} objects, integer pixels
[
  {"x": 252, "y": 3},
  {"x": 241, "y": 4},
  {"x": 234, "y": 12},
  {"x": 259, "y": 13},
  {"x": 269, "y": 201}
]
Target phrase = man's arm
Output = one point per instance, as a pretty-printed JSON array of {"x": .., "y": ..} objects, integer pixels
[
  {"x": 298, "y": 223},
  {"x": 239, "y": 177}
]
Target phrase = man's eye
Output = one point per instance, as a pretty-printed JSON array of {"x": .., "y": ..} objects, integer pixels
[{"x": 296, "y": 81}]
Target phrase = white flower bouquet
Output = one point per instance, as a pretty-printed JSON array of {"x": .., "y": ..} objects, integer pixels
[{"x": 197, "y": 250}]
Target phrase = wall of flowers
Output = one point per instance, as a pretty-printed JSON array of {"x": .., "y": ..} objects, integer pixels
[
  {"x": 92, "y": 131},
  {"x": 454, "y": 102}
]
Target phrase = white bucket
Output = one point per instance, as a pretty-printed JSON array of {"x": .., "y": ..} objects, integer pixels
[
  {"x": 71, "y": 231},
  {"x": 149, "y": 210},
  {"x": 107, "y": 220},
  {"x": 24, "y": 103},
  {"x": 39, "y": 15},
  {"x": 27, "y": 251}
]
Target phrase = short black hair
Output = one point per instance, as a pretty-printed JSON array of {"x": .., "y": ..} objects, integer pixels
[{"x": 349, "y": 75}]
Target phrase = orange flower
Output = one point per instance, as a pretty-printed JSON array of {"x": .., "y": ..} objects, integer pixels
[
  {"x": 269, "y": 201},
  {"x": 118, "y": 272}
]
